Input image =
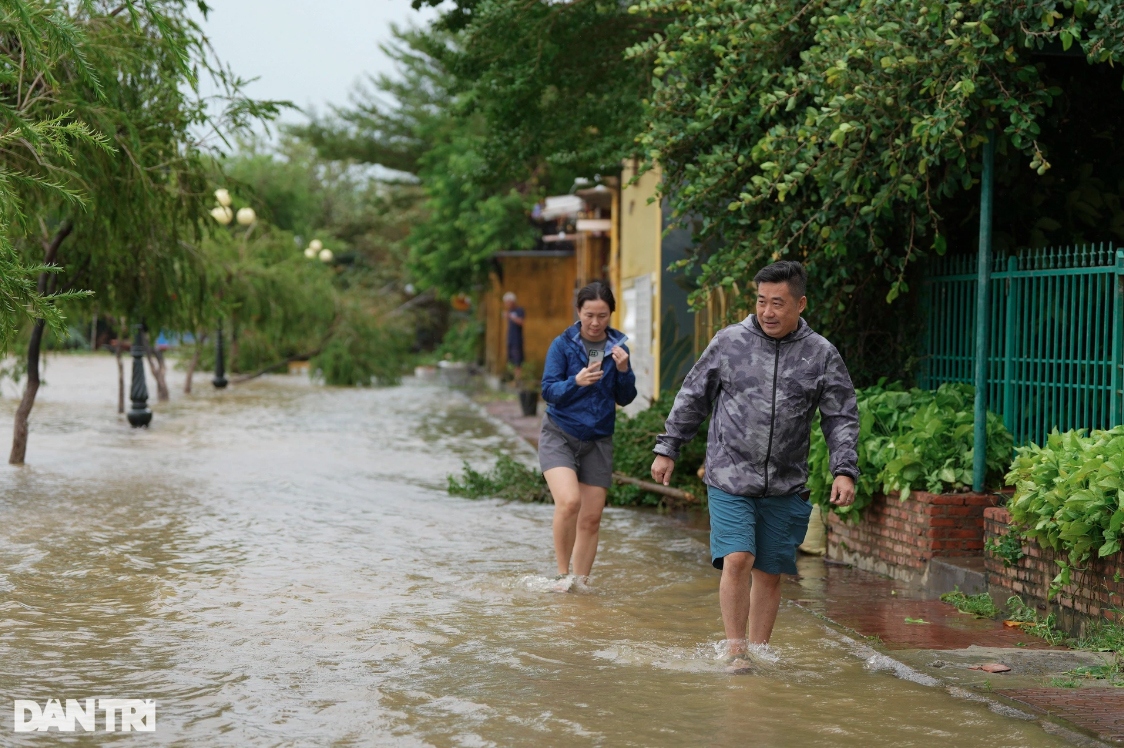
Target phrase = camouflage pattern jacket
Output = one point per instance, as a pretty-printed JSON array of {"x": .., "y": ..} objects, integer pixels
[{"x": 763, "y": 394}]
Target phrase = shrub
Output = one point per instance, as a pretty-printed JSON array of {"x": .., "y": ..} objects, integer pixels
[
  {"x": 508, "y": 479},
  {"x": 911, "y": 439},
  {"x": 632, "y": 455},
  {"x": 1069, "y": 495}
]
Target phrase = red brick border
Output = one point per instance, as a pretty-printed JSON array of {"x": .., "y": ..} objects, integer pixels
[
  {"x": 1095, "y": 591},
  {"x": 909, "y": 533}
]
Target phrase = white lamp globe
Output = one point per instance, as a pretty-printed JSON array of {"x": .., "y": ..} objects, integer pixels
[
  {"x": 222, "y": 214},
  {"x": 246, "y": 216},
  {"x": 316, "y": 245},
  {"x": 326, "y": 255},
  {"x": 223, "y": 196}
]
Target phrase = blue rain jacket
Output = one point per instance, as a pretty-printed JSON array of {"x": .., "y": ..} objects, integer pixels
[{"x": 585, "y": 413}]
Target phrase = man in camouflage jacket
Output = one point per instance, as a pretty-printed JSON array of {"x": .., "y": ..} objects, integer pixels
[{"x": 761, "y": 382}]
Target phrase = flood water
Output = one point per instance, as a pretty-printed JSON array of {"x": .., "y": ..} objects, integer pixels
[{"x": 279, "y": 564}]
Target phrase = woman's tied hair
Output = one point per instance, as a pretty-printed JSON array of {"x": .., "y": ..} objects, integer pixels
[{"x": 597, "y": 291}]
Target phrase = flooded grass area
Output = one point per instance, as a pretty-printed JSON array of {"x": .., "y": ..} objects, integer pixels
[{"x": 279, "y": 564}]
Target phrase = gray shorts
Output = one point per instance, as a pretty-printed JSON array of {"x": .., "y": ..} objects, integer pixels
[{"x": 592, "y": 461}]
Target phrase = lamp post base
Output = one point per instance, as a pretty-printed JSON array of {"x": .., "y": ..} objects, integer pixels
[
  {"x": 139, "y": 417},
  {"x": 139, "y": 414},
  {"x": 220, "y": 369}
]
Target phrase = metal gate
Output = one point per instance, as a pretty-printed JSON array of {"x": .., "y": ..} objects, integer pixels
[{"x": 1055, "y": 357}]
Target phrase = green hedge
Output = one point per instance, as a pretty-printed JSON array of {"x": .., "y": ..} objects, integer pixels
[
  {"x": 912, "y": 439},
  {"x": 632, "y": 455},
  {"x": 1069, "y": 495}
]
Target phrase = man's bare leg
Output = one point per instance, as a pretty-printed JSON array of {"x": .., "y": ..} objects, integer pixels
[
  {"x": 564, "y": 487},
  {"x": 588, "y": 527},
  {"x": 764, "y": 602},
  {"x": 734, "y": 597}
]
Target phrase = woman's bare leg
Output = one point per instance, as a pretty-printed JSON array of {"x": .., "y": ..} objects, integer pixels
[
  {"x": 564, "y": 487},
  {"x": 589, "y": 527}
]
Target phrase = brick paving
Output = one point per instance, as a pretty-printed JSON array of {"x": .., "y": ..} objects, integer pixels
[
  {"x": 1099, "y": 710},
  {"x": 874, "y": 605}
]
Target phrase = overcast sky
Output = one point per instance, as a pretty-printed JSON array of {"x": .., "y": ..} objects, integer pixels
[{"x": 310, "y": 52}]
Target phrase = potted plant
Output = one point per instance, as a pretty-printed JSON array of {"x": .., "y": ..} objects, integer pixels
[{"x": 529, "y": 382}]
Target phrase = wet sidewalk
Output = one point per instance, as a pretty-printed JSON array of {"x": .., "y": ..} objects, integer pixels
[
  {"x": 934, "y": 640},
  {"x": 507, "y": 409}
]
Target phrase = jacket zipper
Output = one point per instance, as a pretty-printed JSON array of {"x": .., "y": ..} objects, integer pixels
[{"x": 772, "y": 416}]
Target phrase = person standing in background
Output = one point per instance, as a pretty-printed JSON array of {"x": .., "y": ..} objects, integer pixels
[{"x": 516, "y": 316}]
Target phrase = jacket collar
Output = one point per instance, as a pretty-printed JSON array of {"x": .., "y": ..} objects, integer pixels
[
  {"x": 803, "y": 330},
  {"x": 574, "y": 334}
]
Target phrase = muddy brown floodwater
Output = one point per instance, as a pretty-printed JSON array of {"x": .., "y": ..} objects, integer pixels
[{"x": 279, "y": 564}]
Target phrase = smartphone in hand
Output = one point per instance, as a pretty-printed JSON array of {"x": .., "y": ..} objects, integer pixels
[{"x": 596, "y": 357}]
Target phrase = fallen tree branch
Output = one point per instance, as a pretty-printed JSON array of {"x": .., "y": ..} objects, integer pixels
[
  {"x": 276, "y": 365},
  {"x": 656, "y": 488},
  {"x": 421, "y": 298}
]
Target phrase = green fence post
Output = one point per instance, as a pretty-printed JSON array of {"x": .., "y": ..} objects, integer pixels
[
  {"x": 1009, "y": 347},
  {"x": 983, "y": 281},
  {"x": 1117, "y": 333}
]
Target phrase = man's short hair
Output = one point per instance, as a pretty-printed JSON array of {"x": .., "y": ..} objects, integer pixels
[
  {"x": 785, "y": 271},
  {"x": 509, "y": 296}
]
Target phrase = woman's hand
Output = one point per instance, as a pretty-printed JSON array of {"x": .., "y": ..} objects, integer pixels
[
  {"x": 620, "y": 355},
  {"x": 589, "y": 375}
]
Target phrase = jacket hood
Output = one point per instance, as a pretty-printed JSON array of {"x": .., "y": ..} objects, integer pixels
[{"x": 803, "y": 330}]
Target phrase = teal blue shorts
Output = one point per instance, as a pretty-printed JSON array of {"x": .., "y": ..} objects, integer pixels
[{"x": 770, "y": 528}]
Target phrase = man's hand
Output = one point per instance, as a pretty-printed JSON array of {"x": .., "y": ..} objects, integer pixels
[
  {"x": 843, "y": 490},
  {"x": 620, "y": 355},
  {"x": 662, "y": 468},
  {"x": 589, "y": 375}
]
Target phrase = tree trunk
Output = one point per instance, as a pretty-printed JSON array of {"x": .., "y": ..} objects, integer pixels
[
  {"x": 200, "y": 340},
  {"x": 23, "y": 412},
  {"x": 27, "y": 402},
  {"x": 158, "y": 368}
]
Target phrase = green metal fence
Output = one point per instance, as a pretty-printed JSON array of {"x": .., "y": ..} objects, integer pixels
[{"x": 1056, "y": 347}]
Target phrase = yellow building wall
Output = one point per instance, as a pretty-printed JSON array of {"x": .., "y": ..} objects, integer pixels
[
  {"x": 641, "y": 230},
  {"x": 641, "y": 223}
]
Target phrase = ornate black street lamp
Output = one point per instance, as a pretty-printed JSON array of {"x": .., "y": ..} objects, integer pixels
[
  {"x": 220, "y": 367},
  {"x": 139, "y": 414},
  {"x": 224, "y": 214}
]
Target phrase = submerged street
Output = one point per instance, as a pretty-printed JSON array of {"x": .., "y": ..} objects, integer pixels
[{"x": 280, "y": 564}]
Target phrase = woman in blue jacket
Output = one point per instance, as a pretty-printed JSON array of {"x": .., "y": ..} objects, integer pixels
[{"x": 586, "y": 376}]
